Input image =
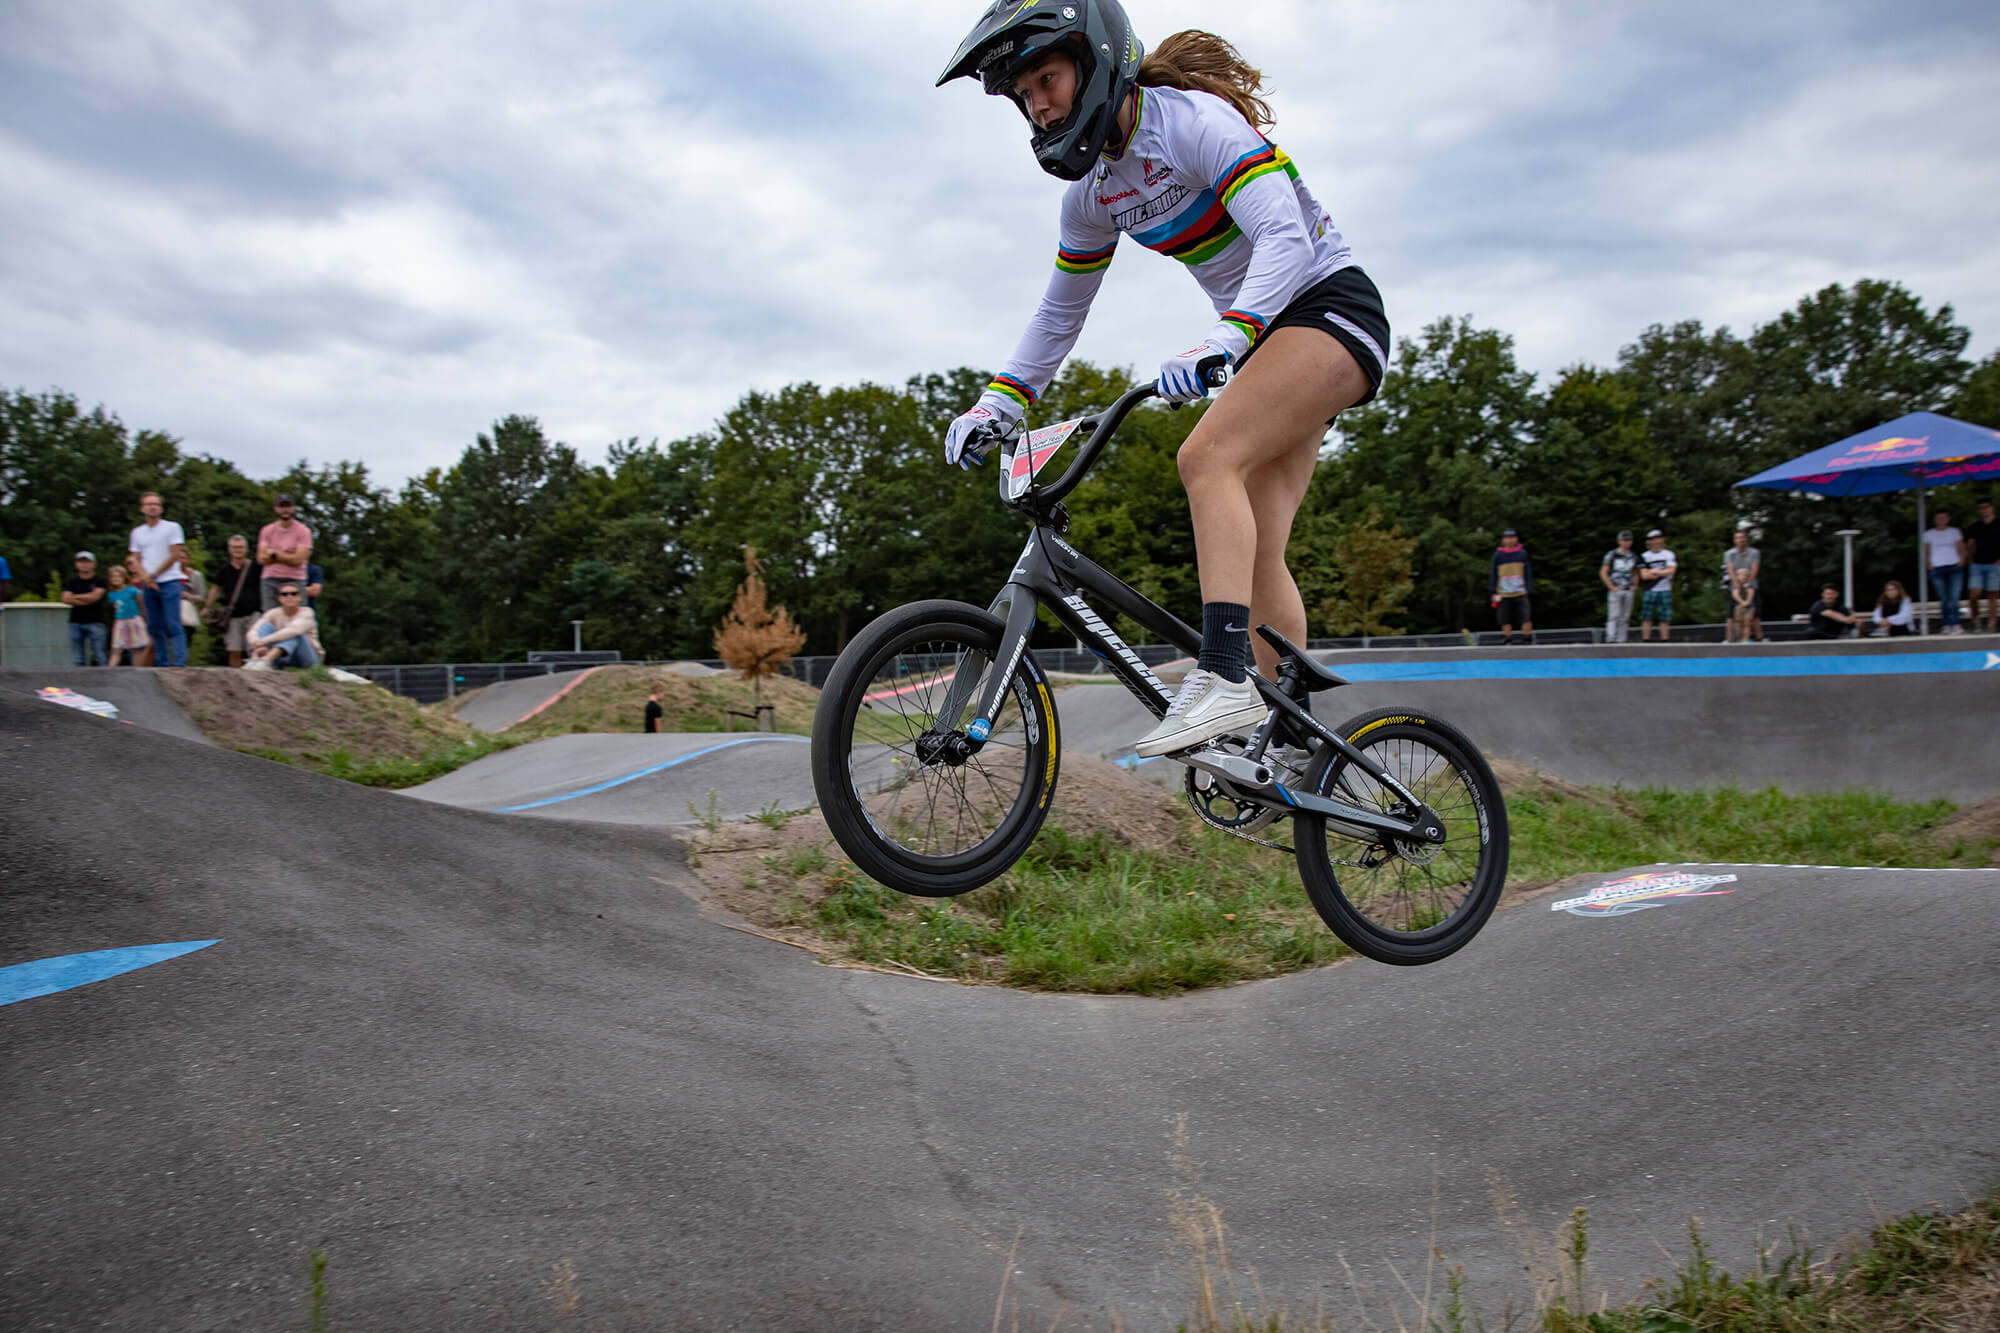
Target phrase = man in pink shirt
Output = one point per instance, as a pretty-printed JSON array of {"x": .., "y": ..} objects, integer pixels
[{"x": 283, "y": 548}]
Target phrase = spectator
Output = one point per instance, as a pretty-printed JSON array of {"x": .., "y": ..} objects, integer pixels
[
  {"x": 6, "y": 580},
  {"x": 1829, "y": 617},
  {"x": 654, "y": 713},
  {"x": 286, "y": 635},
  {"x": 1894, "y": 611},
  {"x": 84, "y": 596},
  {"x": 1982, "y": 569},
  {"x": 128, "y": 620},
  {"x": 161, "y": 548},
  {"x": 1656, "y": 576},
  {"x": 242, "y": 578},
  {"x": 315, "y": 584},
  {"x": 1511, "y": 582},
  {"x": 1944, "y": 558},
  {"x": 1742, "y": 563},
  {"x": 283, "y": 548},
  {"x": 1619, "y": 573}
]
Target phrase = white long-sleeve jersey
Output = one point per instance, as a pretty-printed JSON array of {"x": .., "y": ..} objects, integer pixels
[{"x": 1197, "y": 182}]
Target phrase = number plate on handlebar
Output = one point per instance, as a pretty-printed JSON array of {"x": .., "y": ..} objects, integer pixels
[{"x": 1028, "y": 456}]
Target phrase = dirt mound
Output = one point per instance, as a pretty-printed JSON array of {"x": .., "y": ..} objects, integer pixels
[
  {"x": 752, "y": 868},
  {"x": 1977, "y": 824},
  {"x": 613, "y": 699},
  {"x": 1518, "y": 781},
  {"x": 361, "y": 732}
]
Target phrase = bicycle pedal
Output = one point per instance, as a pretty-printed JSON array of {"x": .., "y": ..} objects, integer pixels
[{"x": 1220, "y": 763}]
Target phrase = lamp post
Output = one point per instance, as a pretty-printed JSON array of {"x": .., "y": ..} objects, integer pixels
[{"x": 1847, "y": 535}]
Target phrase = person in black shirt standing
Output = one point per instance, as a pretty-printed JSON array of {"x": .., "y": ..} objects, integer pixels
[
  {"x": 653, "y": 710},
  {"x": 84, "y": 595},
  {"x": 1982, "y": 540},
  {"x": 1829, "y": 616},
  {"x": 238, "y": 580}
]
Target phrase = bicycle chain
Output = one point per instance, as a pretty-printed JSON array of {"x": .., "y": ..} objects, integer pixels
[{"x": 1212, "y": 822}]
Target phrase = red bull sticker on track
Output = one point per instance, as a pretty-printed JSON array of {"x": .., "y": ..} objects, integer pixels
[{"x": 1636, "y": 893}]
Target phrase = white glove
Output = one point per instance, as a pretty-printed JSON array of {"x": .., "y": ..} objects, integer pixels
[
  {"x": 1181, "y": 376},
  {"x": 968, "y": 439}
]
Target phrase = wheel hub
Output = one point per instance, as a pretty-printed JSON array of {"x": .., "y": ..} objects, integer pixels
[{"x": 951, "y": 750}]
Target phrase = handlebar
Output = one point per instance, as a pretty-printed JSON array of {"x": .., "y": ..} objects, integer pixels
[{"x": 1214, "y": 373}]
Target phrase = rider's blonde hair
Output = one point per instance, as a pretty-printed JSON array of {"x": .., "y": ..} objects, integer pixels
[{"x": 1196, "y": 61}]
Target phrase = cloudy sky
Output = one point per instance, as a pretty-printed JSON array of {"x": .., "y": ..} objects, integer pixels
[{"x": 365, "y": 229}]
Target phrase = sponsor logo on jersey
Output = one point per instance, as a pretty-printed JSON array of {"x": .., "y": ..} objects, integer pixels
[
  {"x": 1636, "y": 893},
  {"x": 1133, "y": 217},
  {"x": 1154, "y": 175},
  {"x": 1109, "y": 199}
]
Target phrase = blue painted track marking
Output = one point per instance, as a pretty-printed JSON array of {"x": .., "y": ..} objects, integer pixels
[
  {"x": 46, "y": 976},
  {"x": 648, "y": 772},
  {"x": 1657, "y": 668}
]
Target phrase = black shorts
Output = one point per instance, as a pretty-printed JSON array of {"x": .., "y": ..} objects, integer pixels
[
  {"x": 1346, "y": 305},
  {"x": 1513, "y": 611}
]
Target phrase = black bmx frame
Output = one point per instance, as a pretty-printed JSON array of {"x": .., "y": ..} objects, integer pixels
[{"x": 1054, "y": 574}]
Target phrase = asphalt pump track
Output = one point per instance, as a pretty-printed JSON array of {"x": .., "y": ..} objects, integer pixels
[{"x": 501, "y": 1068}]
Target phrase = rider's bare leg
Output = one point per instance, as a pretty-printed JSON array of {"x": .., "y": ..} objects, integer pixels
[
  {"x": 1276, "y": 491},
  {"x": 1299, "y": 379}
]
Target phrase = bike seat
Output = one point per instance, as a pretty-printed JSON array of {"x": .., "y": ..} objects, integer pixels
[{"x": 1311, "y": 674}]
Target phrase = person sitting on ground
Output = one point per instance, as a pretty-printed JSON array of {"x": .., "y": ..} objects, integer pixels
[
  {"x": 654, "y": 713},
  {"x": 129, "y": 639},
  {"x": 286, "y": 635},
  {"x": 84, "y": 596},
  {"x": 1894, "y": 611},
  {"x": 1829, "y": 617}
]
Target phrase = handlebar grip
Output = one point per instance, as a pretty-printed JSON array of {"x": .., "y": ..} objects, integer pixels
[{"x": 1213, "y": 370}]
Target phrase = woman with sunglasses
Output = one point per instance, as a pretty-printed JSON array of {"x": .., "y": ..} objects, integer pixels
[
  {"x": 285, "y": 636},
  {"x": 1169, "y": 149}
]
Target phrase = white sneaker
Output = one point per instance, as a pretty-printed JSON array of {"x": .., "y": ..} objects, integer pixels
[{"x": 1206, "y": 707}]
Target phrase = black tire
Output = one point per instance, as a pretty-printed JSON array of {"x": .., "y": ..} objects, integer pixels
[
  {"x": 931, "y": 829},
  {"x": 1424, "y": 905}
]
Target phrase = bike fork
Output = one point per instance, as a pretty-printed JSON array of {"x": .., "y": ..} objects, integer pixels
[{"x": 1020, "y": 616}]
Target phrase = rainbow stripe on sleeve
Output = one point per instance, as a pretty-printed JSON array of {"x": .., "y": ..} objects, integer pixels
[
  {"x": 1009, "y": 387},
  {"x": 1259, "y": 162},
  {"x": 1252, "y": 324},
  {"x": 1085, "y": 261}
]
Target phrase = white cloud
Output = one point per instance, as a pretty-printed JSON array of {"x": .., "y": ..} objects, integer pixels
[{"x": 365, "y": 230}]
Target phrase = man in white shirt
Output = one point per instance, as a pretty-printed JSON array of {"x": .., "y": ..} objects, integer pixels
[
  {"x": 1944, "y": 561},
  {"x": 161, "y": 548}
]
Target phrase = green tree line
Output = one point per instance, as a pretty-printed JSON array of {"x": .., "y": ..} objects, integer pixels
[{"x": 844, "y": 494}]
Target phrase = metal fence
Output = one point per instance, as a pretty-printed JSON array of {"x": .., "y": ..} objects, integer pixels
[{"x": 433, "y": 682}]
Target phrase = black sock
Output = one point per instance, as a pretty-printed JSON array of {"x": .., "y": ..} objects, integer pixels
[{"x": 1225, "y": 641}]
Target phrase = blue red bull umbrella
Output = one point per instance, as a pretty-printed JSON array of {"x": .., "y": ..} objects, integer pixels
[{"x": 1919, "y": 450}]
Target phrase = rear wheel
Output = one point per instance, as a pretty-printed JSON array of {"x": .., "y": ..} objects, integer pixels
[
  {"x": 1405, "y": 902},
  {"x": 898, "y": 782}
]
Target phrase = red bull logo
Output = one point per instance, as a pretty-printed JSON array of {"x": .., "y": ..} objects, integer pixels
[
  {"x": 1636, "y": 893},
  {"x": 1893, "y": 449}
]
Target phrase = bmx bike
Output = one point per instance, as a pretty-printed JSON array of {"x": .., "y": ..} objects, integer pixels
[{"x": 936, "y": 745}]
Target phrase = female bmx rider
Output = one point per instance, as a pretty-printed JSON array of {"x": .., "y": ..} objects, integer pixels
[{"x": 1167, "y": 148}]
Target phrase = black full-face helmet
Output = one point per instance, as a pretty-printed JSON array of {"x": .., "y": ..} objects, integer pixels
[{"x": 1014, "y": 34}]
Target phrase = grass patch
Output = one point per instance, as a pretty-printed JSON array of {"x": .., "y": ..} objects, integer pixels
[
  {"x": 1077, "y": 913},
  {"x": 1084, "y": 913},
  {"x": 1555, "y": 836}
]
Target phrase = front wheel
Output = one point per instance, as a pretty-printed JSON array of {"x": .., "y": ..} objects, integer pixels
[
  {"x": 1406, "y": 902},
  {"x": 902, "y": 790}
]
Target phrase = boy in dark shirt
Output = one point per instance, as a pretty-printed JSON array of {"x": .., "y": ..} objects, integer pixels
[
  {"x": 1982, "y": 581},
  {"x": 1829, "y": 616},
  {"x": 1511, "y": 582},
  {"x": 89, "y": 631},
  {"x": 653, "y": 710}
]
